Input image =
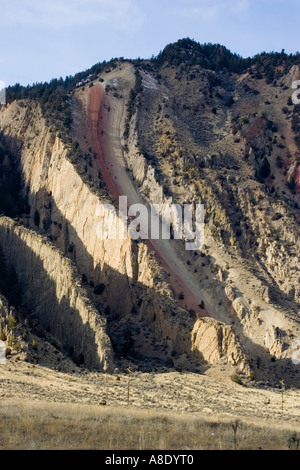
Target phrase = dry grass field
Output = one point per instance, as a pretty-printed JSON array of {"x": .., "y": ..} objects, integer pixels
[
  {"x": 41, "y": 408},
  {"x": 34, "y": 426}
]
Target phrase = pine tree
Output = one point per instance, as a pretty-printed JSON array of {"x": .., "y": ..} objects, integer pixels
[{"x": 265, "y": 168}]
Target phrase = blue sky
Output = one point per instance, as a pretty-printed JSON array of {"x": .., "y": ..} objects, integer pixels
[{"x": 43, "y": 39}]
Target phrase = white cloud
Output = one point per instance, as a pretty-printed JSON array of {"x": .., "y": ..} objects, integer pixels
[{"x": 57, "y": 14}]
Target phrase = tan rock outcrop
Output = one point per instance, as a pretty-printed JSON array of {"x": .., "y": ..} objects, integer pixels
[
  {"x": 240, "y": 307},
  {"x": 70, "y": 212},
  {"x": 51, "y": 289},
  {"x": 229, "y": 293},
  {"x": 274, "y": 342},
  {"x": 215, "y": 340}
]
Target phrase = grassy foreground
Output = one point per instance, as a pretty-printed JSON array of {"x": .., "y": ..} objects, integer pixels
[{"x": 41, "y": 425}]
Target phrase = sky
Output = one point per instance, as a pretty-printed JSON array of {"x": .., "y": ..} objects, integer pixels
[{"x": 42, "y": 39}]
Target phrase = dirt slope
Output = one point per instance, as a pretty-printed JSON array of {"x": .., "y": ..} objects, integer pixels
[{"x": 119, "y": 184}]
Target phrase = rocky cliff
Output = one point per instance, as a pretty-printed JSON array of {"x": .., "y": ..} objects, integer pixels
[
  {"x": 203, "y": 148},
  {"x": 52, "y": 292},
  {"x": 122, "y": 276},
  {"x": 166, "y": 131}
]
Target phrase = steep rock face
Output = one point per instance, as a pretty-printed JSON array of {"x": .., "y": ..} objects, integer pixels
[
  {"x": 215, "y": 340},
  {"x": 224, "y": 137},
  {"x": 273, "y": 341},
  {"x": 292, "y": 75},
  {"x": 249, "y": 232},
  {"x": 276, "y": 231},
  {"x": 68, "y": 210},
  {"x": 143, "y": 172},
  {"x": 51, "y": 289},
  {"x": 4, "y": 311},
  {"x": 135, "y": 290}
]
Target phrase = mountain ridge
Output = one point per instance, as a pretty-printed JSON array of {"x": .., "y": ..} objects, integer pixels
[{"x": 193, "y": 124}]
